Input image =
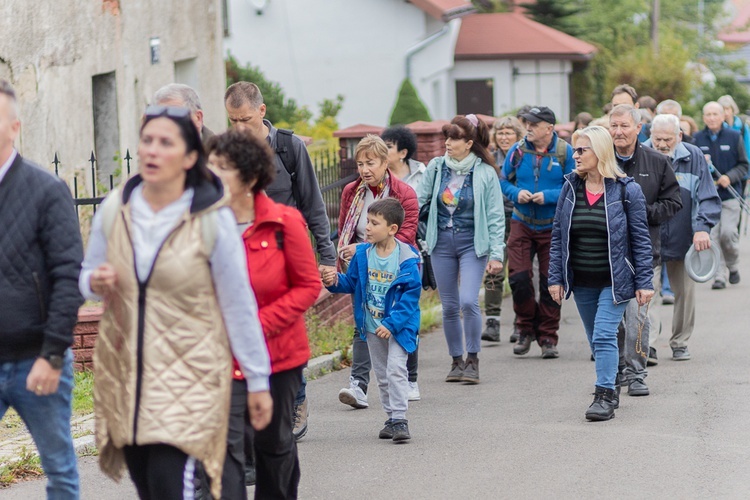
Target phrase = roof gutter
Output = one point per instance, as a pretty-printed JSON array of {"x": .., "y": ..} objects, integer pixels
[{"x": 420, "y": 46}]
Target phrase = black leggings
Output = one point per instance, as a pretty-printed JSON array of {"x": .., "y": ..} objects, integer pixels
[{"x": 160, "y": 471}]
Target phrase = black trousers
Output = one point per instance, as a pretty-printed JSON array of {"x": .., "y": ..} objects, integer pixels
[
  {"x": 160, "y": 471},
  {"x": 276, "y": 461}
]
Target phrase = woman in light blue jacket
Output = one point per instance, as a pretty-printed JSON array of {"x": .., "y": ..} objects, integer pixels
[{"x": 465, "y": 230}]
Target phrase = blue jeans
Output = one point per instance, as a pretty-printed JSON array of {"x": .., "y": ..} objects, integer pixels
[
  {"x": 302, "y": 393},
  {"x": 601, "y": 317},
  {"x": 459, "y": 273},
  {"x": 48, "y": 421}
]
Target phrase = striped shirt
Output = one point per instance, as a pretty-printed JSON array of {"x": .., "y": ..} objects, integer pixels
[{"x": 589, "y": 248}]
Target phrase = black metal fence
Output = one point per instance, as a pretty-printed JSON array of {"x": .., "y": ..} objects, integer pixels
[{"x": 333, "y": 174}]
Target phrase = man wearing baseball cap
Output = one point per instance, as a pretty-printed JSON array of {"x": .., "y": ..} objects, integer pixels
[{"x": 532, "y": 178}]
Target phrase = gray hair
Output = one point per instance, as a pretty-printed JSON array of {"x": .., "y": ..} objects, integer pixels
[
  {"x": 666, "y": 122},
  {"x": 7, "y": 89},
  {"x": 669, "y": 104},
  {"x": 627, "y": 109},
  {"x": 727, "y": 101},
  {"x": 712, "y": 103},
  {"x": 179, "y": 92}
]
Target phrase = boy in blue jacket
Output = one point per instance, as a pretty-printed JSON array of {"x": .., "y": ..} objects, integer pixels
[{"x": 384, "y": 278}]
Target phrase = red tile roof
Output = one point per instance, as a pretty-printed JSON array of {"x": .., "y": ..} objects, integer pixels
[
  {"x": 514, "y": 36},
  {"x": 445, "y": 10},
  {"x": 358, "y": 131}
]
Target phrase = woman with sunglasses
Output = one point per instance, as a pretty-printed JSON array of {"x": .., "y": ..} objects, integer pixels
[
  {"x": 165, "y": 256},
  {"x": 465, "y": 229},
  {"x": 601, "y": 252}
]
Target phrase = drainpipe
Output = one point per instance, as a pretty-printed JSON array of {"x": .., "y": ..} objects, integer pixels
[{"x": 412, "y": 51}]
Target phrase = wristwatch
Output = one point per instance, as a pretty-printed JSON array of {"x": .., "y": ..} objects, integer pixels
[{"x": 55, "y": 360}]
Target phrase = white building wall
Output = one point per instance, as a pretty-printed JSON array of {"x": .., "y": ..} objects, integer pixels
[
  {"x": 51, "y": 49},
  {"x": 318, "y": 50},
  {"x": 534, "y": 82}
]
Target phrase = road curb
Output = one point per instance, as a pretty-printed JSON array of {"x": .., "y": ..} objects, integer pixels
[{"x": 321, "y": 365}]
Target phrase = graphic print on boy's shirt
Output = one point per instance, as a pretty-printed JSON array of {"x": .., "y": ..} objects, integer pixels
[{"x": 381, "y": 271}]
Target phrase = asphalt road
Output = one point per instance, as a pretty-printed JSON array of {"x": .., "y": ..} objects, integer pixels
[{"x": 521, "y": 433}]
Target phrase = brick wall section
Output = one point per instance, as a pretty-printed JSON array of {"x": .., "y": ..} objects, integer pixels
[{"x": 329, "y": 309}]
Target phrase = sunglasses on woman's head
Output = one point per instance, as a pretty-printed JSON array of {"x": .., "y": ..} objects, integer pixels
[{"x": 171, "y": 111}]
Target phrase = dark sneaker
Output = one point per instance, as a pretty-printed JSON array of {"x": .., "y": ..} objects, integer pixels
[
  {"x": 592, "y": 358},
  {"x": 603, "y": 406},
  {"x": 718, "y": 285},
  {"x": 549, "y": 351},
  {"x": 514, "y": 336},
  {"x": 734, "y": 277},
  {"x": 401, "y": 431},
  {"x": 491, "y": 331},
  {"x": 523, "y": 345},
  {"x": 457, "y": 371},
  {"x": 471, "y": 371},
  {"x": 667, "y": 300},
  {"x": 387, "y": 431},
  {"x": 299, "y": 420},
  {"x": 680, "y": 354},
  {"x": 638, "y": 388},
  {"x": 652, "y": 359}
]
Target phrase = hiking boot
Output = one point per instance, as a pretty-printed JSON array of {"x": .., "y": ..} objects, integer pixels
[
  {"x": 652, "y": 359},
  {"x": 514, "y": 336},
  {"x": 680, "y": 354},
  {"x": 400, "y": 431},
  {"x": 734, "y": 277},
  {"x": 413, "y": 394},
  {"x": 471, "y": 371},
  {"x": 457, "y": 371},
  {"x": 667, "y": 299},
  {"x": 353, "y": 395},
  {"x": 387, "y": 431},
  {"x": 523, "y": 345},
  {"x": 603, "y": 407},
  {"x": 638, "y": 387},
  {"x": 491, "y": 331},
  {"x": 718, "y": 285},
  {"x": 549, "y": 351},
  {"x": 301, "y": 412}
]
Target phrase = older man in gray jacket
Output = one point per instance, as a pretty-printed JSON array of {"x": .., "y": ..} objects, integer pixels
[{"x": 691, "y": 225}]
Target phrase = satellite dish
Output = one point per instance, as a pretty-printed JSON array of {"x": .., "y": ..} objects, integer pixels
[{"x": 259, "y": 5}]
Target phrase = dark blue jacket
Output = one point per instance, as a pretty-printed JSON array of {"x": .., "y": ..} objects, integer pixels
[
  {"x": 727, "y": 155},
  {"x": 546, "y": 178},
  {"x": 629, "y": 240},
  {"x": 402, "y": 315},
  {"x": 701, "y": 206}
]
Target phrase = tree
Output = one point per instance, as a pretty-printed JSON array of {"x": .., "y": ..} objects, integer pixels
[
  {"x": 409, "y": 108},
  {"x": 554, "y": 13}
]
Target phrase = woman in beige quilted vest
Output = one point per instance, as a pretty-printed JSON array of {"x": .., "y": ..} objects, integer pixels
[{"x": 165, "y": 256}]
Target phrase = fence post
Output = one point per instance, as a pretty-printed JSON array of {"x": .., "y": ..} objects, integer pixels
[
  {"x": 56, "y": 163},
  {"x": 127, "y": 161},
  {"x": 92, "y": 160}
]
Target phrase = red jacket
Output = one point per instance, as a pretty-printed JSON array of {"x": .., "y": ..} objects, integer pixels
[
  {"x": 284, "y": 276},
  {"x": 399, "y": 190}
]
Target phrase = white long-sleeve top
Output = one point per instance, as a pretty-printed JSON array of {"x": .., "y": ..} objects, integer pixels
[{"x": 228, "y": 270}]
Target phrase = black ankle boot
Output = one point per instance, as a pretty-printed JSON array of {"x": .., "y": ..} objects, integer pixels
[
  {"x": 603, "y": 406},
  {"x": 618, "y": 388}
]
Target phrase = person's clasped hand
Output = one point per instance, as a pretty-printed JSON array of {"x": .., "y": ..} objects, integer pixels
[
  {"x": 556, "y": 292},
  {"x": 643, "y": 296}
]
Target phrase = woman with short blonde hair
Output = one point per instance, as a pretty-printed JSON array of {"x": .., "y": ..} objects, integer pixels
[{"x": 601, "y": 143}]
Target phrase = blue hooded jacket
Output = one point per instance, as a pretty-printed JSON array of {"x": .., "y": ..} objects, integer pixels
[
  {"x": 546, "y": 178},
  {"x": 701, "y": 205},
  {"x": 630, "y": 259},
  {"x": 402, "y": 314}
]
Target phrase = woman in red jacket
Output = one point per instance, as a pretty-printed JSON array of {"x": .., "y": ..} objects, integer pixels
[
  {"x": 284, "y": 275},
  {"x": 375, "y": 182}
]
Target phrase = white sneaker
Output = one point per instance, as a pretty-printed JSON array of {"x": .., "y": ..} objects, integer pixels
[
  {"x": 353, "y": 395},
  {"x": 414, "y": 392}
]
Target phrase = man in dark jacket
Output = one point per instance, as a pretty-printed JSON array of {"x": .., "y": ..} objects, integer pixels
[
  {"x": 184, "y": 96},
  {"x": 701, "y": 209},
  {"x": 40, "y": 259},
  {"x": 725, "y": 150},
  {"x": 653, "y": 172}
]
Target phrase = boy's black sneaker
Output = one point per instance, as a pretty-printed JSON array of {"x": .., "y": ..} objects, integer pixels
[
  {"x": 387, "y": 431},
  {"x": 400, "y": 431}
]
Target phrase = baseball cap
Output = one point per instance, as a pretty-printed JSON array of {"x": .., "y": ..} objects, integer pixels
[
  {"x": 539, "y": 114},
  {"x": 701, "y": 266}
]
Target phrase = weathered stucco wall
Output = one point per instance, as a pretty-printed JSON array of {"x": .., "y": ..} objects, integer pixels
[{"x": 51, "y": 49}]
